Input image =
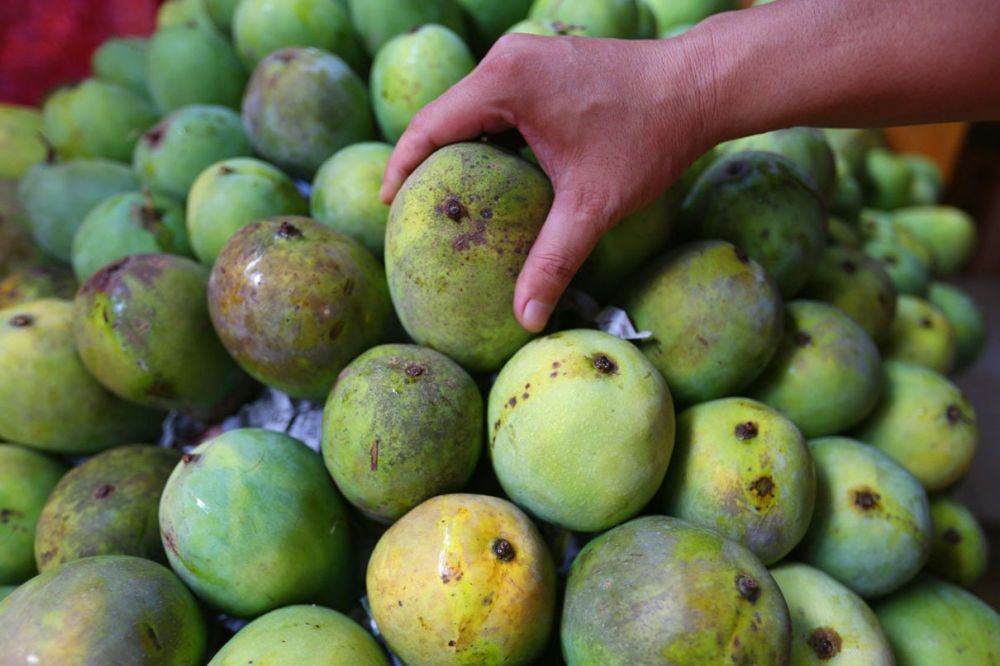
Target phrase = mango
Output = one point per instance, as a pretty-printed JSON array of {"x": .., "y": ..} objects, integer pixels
[
  {"x": 948, "y": 233},
  {"x": 966, "y": 319},
  {"x": 20, "y": 139},
  {"x": 37, "y": 282},
  {"x": 487, "y": 20},
  {"x": 806, "y": 146},
  {"x": 599, "y": 18},
  {"x": 26, "y": 479},
  {"x": 921, "y": 334},
  {"x": 960, "y": 551},
  {"x": 378, "y": 21},
  {"x": 186, "y": 65},
  {"x": 122, "y": 60},
  {"x": 669, "y": 13}
]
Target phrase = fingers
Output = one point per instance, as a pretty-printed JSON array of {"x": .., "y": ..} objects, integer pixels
[{"x": 564, "y": 243}]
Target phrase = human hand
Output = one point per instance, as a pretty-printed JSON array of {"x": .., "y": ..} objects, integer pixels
[{"x": 613, "y": 123}]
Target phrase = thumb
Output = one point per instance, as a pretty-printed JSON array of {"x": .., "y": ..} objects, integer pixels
[{"x": 564, "y": 243}]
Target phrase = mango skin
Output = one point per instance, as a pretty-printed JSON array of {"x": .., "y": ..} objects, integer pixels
[
  {"x": 187, "y": 13},
  {"x": 827, "y": 374},
  {"x": 960, "y": 552},
  {"x": 686, "y": 596},
  {"x": 924, "y": 423},
  {"x": 463, "y": 580},
  {"x": 715, "y": 315},
  {"x": 545, "y": 28},
  {"x": 765, "y": 204},
  {"x": 56, "y": 198},
  {"x": 187, "y": 65},
  {"x": 904, "y": 267},
  {"x": 20, "y": 141},
  {"x": 467, "y": 216},
  {"x": 172, "y": 153},
  {"x": 552, "y": 412},
  {"x": 231, "y": 194},
  {"x": 126, "y": 224},
  {"x": 48, "y": 400},
  {"x": 294, "y": 302},
  {"x": 949, "y": 234},
  {"x": 35, "y": 283},
  {"x": 301, "y": 106},
  {"x": 221, "y": 12},
  {"x": 488, "y": 20},
  {"x": 871, "y": 529},
  {"x": 142, "y": 328},
  {"x": 26, "y": 479},
  {"x": 806, "y": 146},
  {"x": 345, "y": 194},
  {"x": 302, "y": 635},
  {"x": 378, "y": 21},
  {"x": 965, "y": 317},
  {"x": 742, "y": 469},
  {"x": 106, "y": 506},
  {"x": 851, "y": 145},
  {"x": 600, "y": 18},
  {"x": 927, "y": 188},
  {"x": 669, "y": 13},
  {"x": 402, "y": 424},
  {"x": 412, "y": 70},
  {"x": 830, "y": 624},
  {"x": 122, "y": 60},
  {"x": 921, "y": 334},
  {"x": 846, "y": 200},
  {"x": 251, "y": 522},
  {"x": 931, "y": 622},
  {"x": 112, "y": 609},
  {"x": 886, "y": 179}
]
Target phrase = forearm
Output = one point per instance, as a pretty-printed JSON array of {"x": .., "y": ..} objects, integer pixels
[{"x": 843, "y": 63}]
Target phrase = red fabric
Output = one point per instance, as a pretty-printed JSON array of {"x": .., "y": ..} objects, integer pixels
[{"x": 46, "y": 43}]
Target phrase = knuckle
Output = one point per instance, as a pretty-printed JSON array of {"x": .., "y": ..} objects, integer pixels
[{"x": 557, "y": 267}]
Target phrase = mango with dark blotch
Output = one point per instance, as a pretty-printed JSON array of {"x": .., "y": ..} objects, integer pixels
[
  {"x": 48, "y": 399},
  {"x": 960, "y": 552},
  {"x": 872, "y": 525},
  {"x": 742, "y": 469},
  {"x": 459, "y": 232},
  {"x": 106, "y": 506},
  {"x": 190, "y": 65},
  {"x": 806, "y": 146},
  {"x": 920, "y": 333},
  {"x": 600, "y": 18},
  {"x": 26, "y": 479},
  {"x": 965, "y": 317},
  {"x": 378, "y": 21},
  {"x": 658, "y": 590},
  {"x": 111, "y": 609},
  {"x": 948, "y": 233},
  {"x": 294, "y": 302},
  {"x": 37, "y": 282},
  {"x": 143, "y": 330}
]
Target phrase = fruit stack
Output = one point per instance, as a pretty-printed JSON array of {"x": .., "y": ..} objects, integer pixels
[{"x": 758, "y": 477}]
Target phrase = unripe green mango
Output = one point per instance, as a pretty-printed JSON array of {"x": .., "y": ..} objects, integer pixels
[
  {"x": 921, "y": 334},
  {"x": 599, "y": 18},
  {"x": 26, "y": 479},
  {"x": 806, "y": 146},
  {"x": 948, "y": 233},
  {"x": 186, "y": 65},
  {"x": 886, "y": 179},
  {"x": 378, "y": 21},
  {"x": 122, "y": 60},
  {"x": 546, "y": 28},
  {"x": 20, "y": 139},
  {"x": 966, "y": 319},
  {"x": 852, "y": 145},
  {"x": 847, "y": 199},
  {"x": 928, "y": 181},
  {"x": 35, "y": 283},
  {"x": 222, "y": 11},
  {"x": 905, "y": 268},
  {"x": 488, "y": 19},
  {"x": 670, "y": 13},
  {"x": 187, "y": 13},
  {"x": 960, "y": 551}
]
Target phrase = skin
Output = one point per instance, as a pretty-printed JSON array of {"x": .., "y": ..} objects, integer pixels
[
  {"x": 26, "y": 479},
  {"x": 614, "y": 123}
]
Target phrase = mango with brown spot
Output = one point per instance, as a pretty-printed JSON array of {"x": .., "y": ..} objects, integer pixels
[
  {"x": 921, "y": 333},
  {"x": 960, "y": 553}
]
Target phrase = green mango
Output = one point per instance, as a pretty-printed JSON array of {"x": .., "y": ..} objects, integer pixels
[
  {"x": 675, "y": 30},
  {"x": 127, "y": 224},
  {"x": 924, "y": 423},
  {"x": 546, "y": 29},
  {"x": 871, "y": 529},
  {"x": 378, "y": 21},
  {"x": 412, "y": 70},
  {"x": 21, "y": 141},
  {"x": 142, "y": 328},
  {"x": 56, "y": 198},
  {"x": 186, "y": 65},
  {"x": 297, "y": 635},
  {"x": 112, "y": 609},
  {"x": 345, "y": 194},
  {"x": 806, "y": 146},
  {"x": 251, "y": 521},
  {"x": 965, "y": 317},
  {"x": 562, "y": 469},
  {"x": 17, "y": 250},
  {"x": 886, "y": 179},
  {"x": 106, "y": 506},
  {"x": 36, "y": 282},
  {"x": 646, "y": 22},
  {"x": 878, "y": 225},
  {"x": 715, "y": 316},
  {"x": 948, "y": 233},
  {"x": 657, "y": 590},
  {"x": 171, "y": 154},
  {"x": 847, "y": 199},
  {"x": 931, "y": 622},
  {"x": 303, "y": 105},
  {"x": 48, "y": 400},
  {"x": 294, "y": 301},
  {"x": 921, "y": 334},
  {"x": 599, "y": 18},
  {"x": 858, "y": 285},
  {"x": 26, "y": 479},
  {"x": 928, "y": 181},
  {"x": 905, "y": 268},
  {"x": 222, "y": 11},
  {"x": 698, "y": 167},
  {"x": 122, "y": 60},
  {"x": 829, "y": 622},
  {"x": 960, "y": 551},
  {"x": 231, "y": 194},
  {"x": 852, "y": 145},
  {"x": 670, "y": 13},
  {"x": 488, "y": 19},
  {"x": 261, "y": 27},
  {"x": 468, "y": 215},
  {"x": 742, "y": 469},
  {"x": 843, "y": 234},
  {"x": 186, "y": 13},
  {"x": 763, "y": 203},
  {"x": 826, "y": 376}
]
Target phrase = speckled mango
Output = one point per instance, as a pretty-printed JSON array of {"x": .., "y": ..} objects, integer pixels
[
  {"x": 458, "y": 234},
  {"x": 872, "y": 525},
  {"x": 830, "y": 624},
  {"x": 35, "y": 283},
  {"x": 106, "y": 506},
  {"x": 658, "y": 590},
  {"x": 826, "y": 375},
  {"x": 463, "y": 580},
  {"x": 251, "y": 521},
  {"x": 299, "y": 635},
  {"x": 26, "y": 479},
  {"x": 715, "y": 316},
  {"x": 581, "y": 429},
  {"x": 924, "y": 423},
  {"x": 948, "y": 233},
  {"x": 960, "y": 552},
  {"x": 806, "y": 146},
  {"x": 403, "y": 424},
  {"x": 599, "y": 18},
  {"x": 48, "y": 399},
  {"x": 921, "y": 334},
  {"x": 930, "y": 622},
  {"x": 742, "y": 469},
  {"x": 964, "y": 315},
  {"x": 294, "y": 301},
  {"x": 190, "y": 65},
  {"x": 112, "y": 609},
  {"x": 142, "y": 329}
]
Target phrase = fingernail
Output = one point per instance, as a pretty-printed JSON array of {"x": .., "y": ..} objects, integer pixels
[{"x": 536, "y": 315}]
